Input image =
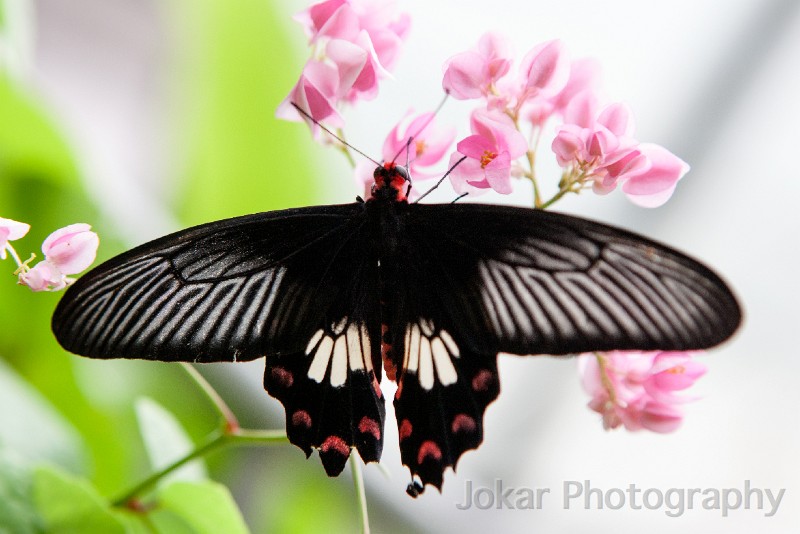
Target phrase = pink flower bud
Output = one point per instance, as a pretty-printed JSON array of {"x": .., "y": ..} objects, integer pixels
[
  {"x": 68, "y": 250},
  {"x": 44, "y": 276},
  {"x": 71, "y": 249}
]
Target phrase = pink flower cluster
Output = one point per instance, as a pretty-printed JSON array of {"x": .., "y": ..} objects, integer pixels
[
  {"x": 638, "y": 389},
  {"x": 593, "y": 142},
  {"x": 67, "y": 251},
  {"x": 356, "y": 42}
]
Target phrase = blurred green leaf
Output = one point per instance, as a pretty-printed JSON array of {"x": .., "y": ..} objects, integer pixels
[
  {"x": 72, "y": 505},
  {"x": 39, "y": 185},
  {"x": 18, "y": 513},
  {"x": 30, "y": 426},
  {"x": 237, "y": 69},
  {"x": 166, "y": 441},
  {"x": 198, "y": 507}
]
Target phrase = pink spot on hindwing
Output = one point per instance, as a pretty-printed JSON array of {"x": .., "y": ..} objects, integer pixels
[
  {"x": 429, "y": 449},
  {"x": 405, "y": 429},
  {"x": 369, "y": 426},
  {"x": 335, "y": 444},
  {"x": 463, "y": 423},
  {"x": 284, "y": 378},
  {"x": 301, "y": 418},
  {"x": 482, "y": 380}
]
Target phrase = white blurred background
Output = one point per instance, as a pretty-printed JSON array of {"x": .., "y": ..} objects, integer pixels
[{"x": 716, "y": 83}]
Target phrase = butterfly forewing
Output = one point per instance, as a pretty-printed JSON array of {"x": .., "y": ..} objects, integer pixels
[
  {"x": 231, "y": 290},
  {"x": 535, "y": 282}
]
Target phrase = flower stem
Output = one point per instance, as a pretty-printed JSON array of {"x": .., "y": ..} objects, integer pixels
[
  {"x": 361, "y": 496},
  {"x": 231, "y": 422},
  {"x": 214, "y": 441},
  {"x": 13, "y": 253},
  {"x": 537, "y": 196},
  {"x": 602, "y": 363}
]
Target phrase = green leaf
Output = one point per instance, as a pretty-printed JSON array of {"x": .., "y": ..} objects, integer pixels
[
  {"x": 33, "y": 428},
  {"x": 197, "y": 508},
  {"x": 18, "y": 514},
  {"x": 166, "y": 441},
  {"x": 239, "y": 66},
  {"x": 71, "y": 505}
]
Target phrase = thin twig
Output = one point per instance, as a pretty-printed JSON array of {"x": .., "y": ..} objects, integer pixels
[
  {"x": 214, "y": 441},
  {"x": 361, "y": 496},
  {"x": 231, "y": 422}
]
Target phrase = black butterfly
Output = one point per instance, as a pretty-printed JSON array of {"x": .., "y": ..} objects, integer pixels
[{"x": 431, "y": 293}]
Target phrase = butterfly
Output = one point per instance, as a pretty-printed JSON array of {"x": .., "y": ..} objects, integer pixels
[{"x": 429, "y": 294}]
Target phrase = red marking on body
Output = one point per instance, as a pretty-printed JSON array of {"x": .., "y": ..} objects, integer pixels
[
  {"x": 389, "y": 176},
  {"x": 335, "y": 444},
  {"x": 284, "y": 378},
  {"x": 482, "y": 380},
  {"x": 386, "y": 355},
  {"x": 405, "y": 429},
  {"x": 301, "y": 418},
  {"x": 388, "y": 365},
  {"x": 398, "y": 391},
  {"x": 429, "y": 449},
  {"x": 463, "y": 423},
  {"x": 369, "y": 426}
]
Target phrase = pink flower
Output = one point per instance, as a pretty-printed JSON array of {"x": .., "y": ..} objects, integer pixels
[
  {"x": 358, "y": 67},
  {"x": 67, "y": 251},
  {"x": 429, "y": 146},
  {"x": 601, "y": 146},
  {"x": 489, "y": 152},
  {"x": 315, "y": 93},
  {"x": 584, "y": 77},
  {"x": 386, "y": 28},
  {"x": 637, "y": 390},
  {"x": 652, "y": 183},
  {"x": 544, "y": 71},
  {"x": 332, "y": 18},
  {"x": 472, "y": 74},
  {"x": 360, "y": 40},
  {"x": 9, "y": 231}
]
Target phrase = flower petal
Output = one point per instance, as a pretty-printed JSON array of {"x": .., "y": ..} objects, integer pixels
[{"x": 71, "y": 249}]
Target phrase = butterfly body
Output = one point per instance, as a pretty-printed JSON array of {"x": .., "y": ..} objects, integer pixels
[{"x": 333, "y": 295}]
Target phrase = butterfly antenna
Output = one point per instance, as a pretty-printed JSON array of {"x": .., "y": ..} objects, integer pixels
[
  {"x": 326, "y": 129},
  {"x": 419, "y": 130},
  {"x": 459, "y": 197},
  {"x": 452, "y": 167}
]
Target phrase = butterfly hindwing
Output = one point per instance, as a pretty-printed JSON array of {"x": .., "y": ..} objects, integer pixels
[
  {"x": 442, "y": 394},
  {"x": 330, "y": 387}
]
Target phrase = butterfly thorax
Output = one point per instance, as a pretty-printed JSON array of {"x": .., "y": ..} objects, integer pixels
[{"x": 391, "y": 183}]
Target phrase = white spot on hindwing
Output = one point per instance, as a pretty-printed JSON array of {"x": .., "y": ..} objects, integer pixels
[
  {"x": 345, "y": 348},
  {"x": 429, "y": 354}
]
